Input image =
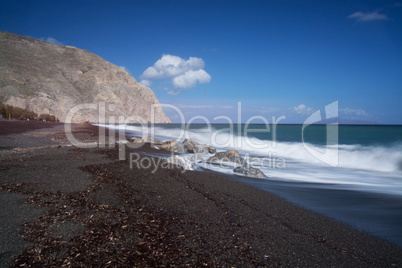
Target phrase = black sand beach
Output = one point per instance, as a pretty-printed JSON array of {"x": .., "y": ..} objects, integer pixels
[{"x": 68, "y": 206}]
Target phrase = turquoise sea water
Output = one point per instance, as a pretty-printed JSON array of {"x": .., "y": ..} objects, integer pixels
[
  {"x": 348, "y": 134},
  {"x": 352, "y": 173}
]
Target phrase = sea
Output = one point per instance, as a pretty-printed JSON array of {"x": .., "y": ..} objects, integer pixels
[{"x": 351, "y": 173}]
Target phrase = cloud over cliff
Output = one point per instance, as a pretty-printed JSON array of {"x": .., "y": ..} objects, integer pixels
[{"x": 184, "y": 74}]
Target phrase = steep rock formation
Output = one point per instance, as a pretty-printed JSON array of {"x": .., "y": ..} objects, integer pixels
[{"x": 48, "y": 78}]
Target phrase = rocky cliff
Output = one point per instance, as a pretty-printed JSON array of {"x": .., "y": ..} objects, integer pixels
[{"x": 71, "y": 83}]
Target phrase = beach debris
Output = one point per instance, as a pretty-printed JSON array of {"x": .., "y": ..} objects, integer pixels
[
  {"x": 182, "y": 162},
  {"x": 196, "y": 148},
  {"x": 228, "y": 156},
  {"x": 249, "y": 171},
  {"x": 173, "y": 146}
]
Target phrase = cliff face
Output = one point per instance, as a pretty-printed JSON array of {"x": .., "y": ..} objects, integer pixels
[{"x": 48, "y": 78}]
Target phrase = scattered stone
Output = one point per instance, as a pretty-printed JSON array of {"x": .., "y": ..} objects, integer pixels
[
  {"x": 150, "y": 139},
  {"x": 196, "y": 148},
  {"x": 136, "y": 140},
  {"x": 191, "y": 146},
  {"x": 233, "y": 152},
  {"x": 173, "y": 146},
  {"x": 250, "y": 171},
  {"x": 211, "y": 149},
  {"x": 229, "y": 156}
]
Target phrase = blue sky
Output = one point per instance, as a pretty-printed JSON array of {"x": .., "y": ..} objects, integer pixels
[{"x": 278, "y": 58}]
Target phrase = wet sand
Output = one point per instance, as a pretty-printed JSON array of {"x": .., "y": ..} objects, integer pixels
[{"x": 63, "y": 205}]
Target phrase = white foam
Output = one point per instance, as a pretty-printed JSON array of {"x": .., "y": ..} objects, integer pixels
[{"x": 386, "y": 159}]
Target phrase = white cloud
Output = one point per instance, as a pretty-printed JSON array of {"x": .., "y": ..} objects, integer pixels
[
  {"x": 190, "y": 78},
  {"x": 171, "y": 66},
  {"x": 51, "y": 40},
  {"x": 302, "y": 109},
  {"x": 183, "y": 73},
  {"x": 361, "y": 16}
]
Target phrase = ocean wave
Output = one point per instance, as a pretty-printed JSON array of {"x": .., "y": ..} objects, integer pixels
[{"x": 355, "y": 156}]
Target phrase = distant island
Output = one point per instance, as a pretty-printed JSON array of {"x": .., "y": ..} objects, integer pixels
[{"x": 343, "y": 121}]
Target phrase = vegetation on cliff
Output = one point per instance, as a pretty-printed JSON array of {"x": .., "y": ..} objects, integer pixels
[{"x": 12, "y": 112}]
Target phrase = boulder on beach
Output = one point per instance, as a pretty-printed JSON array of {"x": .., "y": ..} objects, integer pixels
[
  {"x": 233, "y": 152},
  {"x": 191, "y": 146},
  {"x": 211, "y": 149},
  {"x": 173, "y": 146},
  {"x": 228, "y": 156},
  {"x": 250, "y": 171},
  {"x": 194, "y": 147},
  {"x": 150, "y": 139},
  {"x": 136, "y": 140}
]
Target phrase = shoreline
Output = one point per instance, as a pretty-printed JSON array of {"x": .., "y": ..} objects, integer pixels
[{"x": 89, "y": 208}]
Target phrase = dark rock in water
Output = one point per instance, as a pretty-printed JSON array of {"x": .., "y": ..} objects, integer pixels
[
  {"x": 250, "y": 171},
  {"x": 196, "y": 148},
  {"x": 226, "y": 157},
  {"x": 211, "y": 149},
  {"x": 150, "y": 139},
  {"x": 136, "y": 140},
  {"x": 204, "y": 148},
  {"x": 235, "y": 152},
  {"x": 192, "y": 146},
  {"x": 173, "y": 146}
]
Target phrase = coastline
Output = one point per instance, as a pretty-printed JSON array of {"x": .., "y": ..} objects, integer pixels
[{"x": 87, "y": 208}]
